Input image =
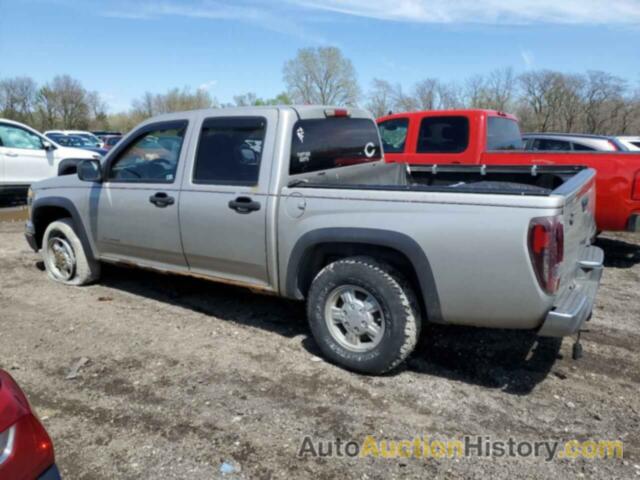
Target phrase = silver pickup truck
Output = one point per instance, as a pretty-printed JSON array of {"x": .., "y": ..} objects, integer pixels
[{"x": 298, "y": 202}]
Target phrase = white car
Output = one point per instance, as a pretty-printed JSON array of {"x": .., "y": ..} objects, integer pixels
[
  {"x": 27, "y": 156},
  {"x": 78, "y": 133},
  {"x": 632, "y": 143}
]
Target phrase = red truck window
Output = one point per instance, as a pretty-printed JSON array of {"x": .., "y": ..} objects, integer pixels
[
  {"x": 443, "y": 135},
  {"x": 394, "y": 134},
  {"x": 503, "y": 134}
]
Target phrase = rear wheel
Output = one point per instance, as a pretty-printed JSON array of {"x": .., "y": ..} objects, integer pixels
[
  {"x": 363, "y": 315},
  {"x": 64, "y": 257}
]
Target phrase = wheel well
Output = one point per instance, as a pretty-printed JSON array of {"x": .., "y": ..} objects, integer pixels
[
  {"x": 319, "y": 256},
  {"x": 44, "y": 216}
]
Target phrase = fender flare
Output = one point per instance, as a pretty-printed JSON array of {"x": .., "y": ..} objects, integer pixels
[
  {"x": 65, "y": 203},
  {"x": 366, "y": 236}
]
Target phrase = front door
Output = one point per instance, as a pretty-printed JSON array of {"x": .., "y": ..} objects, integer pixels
[
  {"x": 224, "y": 203},
  {"x": 136, "y": 207},
  {"x": 24, "y": 157}
]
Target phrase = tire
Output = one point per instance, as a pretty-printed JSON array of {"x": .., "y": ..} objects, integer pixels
[
  {"x": 64, "y": 257},
  {"x": 349, "y": 297}
]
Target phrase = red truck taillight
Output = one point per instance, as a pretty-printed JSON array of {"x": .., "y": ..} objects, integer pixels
[
  {"x": 635, "y": 193},
  {"x": 546, "y": 247}
]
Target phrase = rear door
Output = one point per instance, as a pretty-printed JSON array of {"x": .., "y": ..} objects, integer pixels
[
  {"x": 224, "y": 198},
  {"x": 136, "y": 207}
]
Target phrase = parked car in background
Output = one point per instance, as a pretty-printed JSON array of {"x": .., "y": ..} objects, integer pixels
[
  {"x": 110, "y": 141},
  {"x": 632, "y": 143},
  {"x": 26, "y": 451},
  {"x": 486, "y": 137},
  {"x": 27, "y": 156},
  {"x": 102, "y": 133},
  {"x": 565, "y": 142},
  {"x": 80, "y": 133},
  {"x": 76, "y": 141},
  {"x": 298, "y": 202}
]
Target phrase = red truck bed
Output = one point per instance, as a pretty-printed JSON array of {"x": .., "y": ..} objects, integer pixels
[{"x": 488, "y": 137}]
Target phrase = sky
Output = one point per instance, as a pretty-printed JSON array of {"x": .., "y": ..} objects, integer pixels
[{"x": 124, "y": 48}]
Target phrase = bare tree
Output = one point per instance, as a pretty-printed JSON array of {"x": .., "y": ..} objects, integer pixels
[
  {"x": 18, "y": 98},
  {"x": 426, "y": 94},
  {"x": 321, "y": 76},
  {"x": 603, "y": 92},
  {"x": 381, "y": 98},
  {"x": 500, "y": 89}
]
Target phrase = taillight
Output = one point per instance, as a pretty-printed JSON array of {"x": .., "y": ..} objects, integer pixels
[
  {"x": 635, "y": 195},
  {"x": 336, "y": 112},
  {"x": 546, "y": 248}
]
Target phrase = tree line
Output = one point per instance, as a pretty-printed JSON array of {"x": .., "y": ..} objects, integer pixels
[{"x": 544, "y": 100}]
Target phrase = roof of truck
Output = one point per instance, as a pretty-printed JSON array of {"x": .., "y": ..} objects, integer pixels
[
  {"x": 303, "y": 111},
  {"x": 472, "y": 112}
]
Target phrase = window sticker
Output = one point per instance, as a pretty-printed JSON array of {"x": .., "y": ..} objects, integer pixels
[
  {"x": 300, "y": 133},
  {"x": 370, "y": 150},
  {"x": 304, "y": 157}
]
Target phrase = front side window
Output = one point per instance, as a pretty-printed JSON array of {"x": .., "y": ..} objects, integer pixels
[
  {"x": 443, "y": 135},
  {"x": 503, "y": 134},
  {"x": 15, "y": 137},
  {"x": 322, "y": 144},
  {"x": 394, "y": 134},
  {"x": 151, "y": 158},
  {"x": 230, "y": 151}
]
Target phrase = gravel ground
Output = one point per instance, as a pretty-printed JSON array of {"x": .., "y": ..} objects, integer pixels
[{"x": 183, "y": 375}]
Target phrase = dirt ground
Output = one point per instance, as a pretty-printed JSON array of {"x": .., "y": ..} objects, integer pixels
[{"x": 183, "y": 375}]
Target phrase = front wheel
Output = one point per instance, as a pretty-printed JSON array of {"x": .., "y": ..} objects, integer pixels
[
  {"x": 64, "y": 257},
  {"x": 363, "y": 315}
]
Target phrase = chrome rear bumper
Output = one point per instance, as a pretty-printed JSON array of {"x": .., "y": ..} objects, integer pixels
[{"x": 573, "y": 307}]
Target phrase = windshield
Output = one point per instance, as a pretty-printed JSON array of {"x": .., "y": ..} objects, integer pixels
[
  {"x": 504, "y": 134},
  {"x": 394, "y": 134},
  {"x": 332, "y": 143},
  {"x": 78, "y": 141}
]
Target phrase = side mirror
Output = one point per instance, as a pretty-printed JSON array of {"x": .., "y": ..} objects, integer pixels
[
  {"x": 48, "y": 146},
  {"x": 90, "y": 171}
]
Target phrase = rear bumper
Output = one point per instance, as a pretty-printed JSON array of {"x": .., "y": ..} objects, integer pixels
[
  {"x": 573, "y": 307},
  {"x": 30, "y": 235},
  {"x": 633, "y": 225}
]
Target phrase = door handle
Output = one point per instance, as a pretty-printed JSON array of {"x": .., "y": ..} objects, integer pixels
[
  {"x": 11, "y": 154},
  {"x": 162, "y": 200},
  {"x": 244, "y": 205}
]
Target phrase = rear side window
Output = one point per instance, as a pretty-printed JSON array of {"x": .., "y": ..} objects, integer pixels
[
  {"x": 503, "y": 134},
  {"x": 322, "y": 144},
  {"x": 394, "y": 134},
  {"x": 582, "y": 148},
  {"x": 230, "y": 151},
  {"x": 443, "y": 135},
  {"x": 549, "y": 145}
]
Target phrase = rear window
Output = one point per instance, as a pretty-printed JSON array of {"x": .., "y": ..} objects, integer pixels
[
  {"x": 322, "y": 144},
  {"x": 443, "y": 135},
  {"x": 503, "y": 134},
  {"x": 394, "y": 134}
]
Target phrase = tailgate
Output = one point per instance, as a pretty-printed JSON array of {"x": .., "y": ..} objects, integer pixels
[
  {"x": 579, "y": 221},
  {"x": 582, "y": 266}
]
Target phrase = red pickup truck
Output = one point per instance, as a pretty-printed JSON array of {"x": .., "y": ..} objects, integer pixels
[{"x": 487, "y": 137}]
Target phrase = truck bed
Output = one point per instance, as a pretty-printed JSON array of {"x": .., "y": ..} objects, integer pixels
[{"x": 498, "y": 180}]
